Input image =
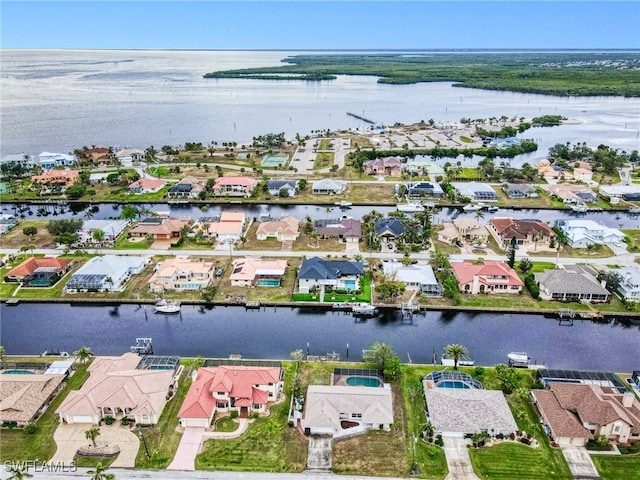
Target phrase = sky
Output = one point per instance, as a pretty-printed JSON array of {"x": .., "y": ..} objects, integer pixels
[{"x": 317, "y": 24}]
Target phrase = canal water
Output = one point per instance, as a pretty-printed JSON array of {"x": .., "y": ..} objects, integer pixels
[{"x": 276, "y": 332}]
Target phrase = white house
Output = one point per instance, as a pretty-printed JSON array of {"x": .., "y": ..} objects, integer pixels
[
  {"x": 328, "y": 186},
  {"x": 130, "y": 155},
  {"x": 24, "y": 159},
  {"x": 476, "y": 191},
  {"x": 111, "y": 228},
  {"x": 581, "y": 233},
  {"x": 50, "y": 160},
  {"x": 108, "y": 273},
  {"x": 416, "y": 277},
  {"x": 277, "y": 185},
  {"x": 629, "y": 283}
]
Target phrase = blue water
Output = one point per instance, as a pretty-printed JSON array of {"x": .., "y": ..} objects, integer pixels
[
  {"x": 363, "y": 382},
  {"x": 17, "y": 372},
  {"x": 268, "y": 283},
  {"x": 453, "y": 384}
]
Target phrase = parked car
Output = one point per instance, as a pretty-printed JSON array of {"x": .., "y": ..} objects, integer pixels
[{"x": 459, "y": 243}]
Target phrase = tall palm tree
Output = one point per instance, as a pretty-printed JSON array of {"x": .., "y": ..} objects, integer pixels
[
  {"x": 83, "y": 354},
  {"x": 100, "y": 473},
  {"x": 17, "y": 473},
  {"x": 455, "y": 351},
  {"x": 479, "y": 215}
]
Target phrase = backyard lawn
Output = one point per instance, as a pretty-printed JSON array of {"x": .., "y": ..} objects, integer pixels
[{"x": 617, "y": 467}]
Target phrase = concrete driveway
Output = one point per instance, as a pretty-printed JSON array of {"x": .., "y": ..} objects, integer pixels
[
  {"x": 185, "y": 456},
  {"x": 580, "y": 463},
  {"x": 458, "y": 460},
  {"x": 70, "y": 437}
]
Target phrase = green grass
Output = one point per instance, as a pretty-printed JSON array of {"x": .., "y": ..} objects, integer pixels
[
  {"x": 323, "y": 160},
  {"x": 16, "y": 445},
  {"x": 465, "y": 139},
  {"x": 123, "y": 243},
  {"x": 617, "y": 467},
  {"x": 226, "y": 424},
  {"x": 632, "y": 237},
  {"x": 91, "y": 462}
]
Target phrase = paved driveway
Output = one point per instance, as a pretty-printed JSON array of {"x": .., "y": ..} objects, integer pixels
[
  {"x": 458, "y": 460},
  {"x": 320, "y": 452},
  {"x": 70, "y": 437},
  {"x": 185, "y": 456},
  {"x": 580, "y": 463}
]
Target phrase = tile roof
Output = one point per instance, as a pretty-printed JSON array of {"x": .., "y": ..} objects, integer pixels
[
  {"x": 509, "y": 228},
  {"x": 31, "y": 264},
  {"x": 288, "y": 226},
  {"x": 148, "y": 183},
  {"x": 243, "y": 181},
  {"x": 22, "y": 395},
  {"x": 347, "y": 227},
  {"x": 248, "y": 268},
  {"x": 466, "y": 271},
  {"x": 571, "y": 279}
]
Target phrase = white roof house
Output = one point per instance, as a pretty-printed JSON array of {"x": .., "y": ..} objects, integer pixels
[
  {"x": 476, "y": 191},
  {"x": 49, "y": 160},
  {"x": 419, "y": 277},
  {"x": 329, "y": 186},
  {"x": 581, "y": 233},
  {"x": 111, "y": 228},
  {"x": 108, "y": 273},
  {"x": 618, "y": 192},
  {"x": 629, "y": 283},
  {"x": 23, "y": 159}
]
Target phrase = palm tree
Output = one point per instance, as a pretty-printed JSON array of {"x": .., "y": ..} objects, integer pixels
[
  {"x": 83, "y": 354},
  {"x": 455, "y": 351},
  {"x": 100, "y": 473},
  {"x": 17, "y": 473},
  {"x": 92, "y": 434},
  {"x": 479, "y": 215}
]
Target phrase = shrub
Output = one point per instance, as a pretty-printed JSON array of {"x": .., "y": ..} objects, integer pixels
[
  {"x": 479, "y": 371},
  {"x": 500, "y": 436},
  {"x": 532, "y": 286},
  {"x": 234, "y": 414},
  {"x": 526, "y": 441},
  {"x": 30, "y": 428},
  {"x": 108, "y": 420}
]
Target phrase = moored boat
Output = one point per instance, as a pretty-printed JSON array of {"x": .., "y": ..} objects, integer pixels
[
  {"x": 410, "y": 207},
  {"x": 364, "y": 309},
  {"x": 462, "y": 362},
  {"x": 473, "y": 207},
  {"x": 519, "y": 359},
  {"x": 167, "y": 306}
]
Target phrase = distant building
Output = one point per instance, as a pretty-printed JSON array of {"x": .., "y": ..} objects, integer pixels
[
  {"x": 581, "y": 233},
  {"x": 50, "y": 160},
  {"x": 383, "y": 166},
  {"x": 130, "y": 155}
]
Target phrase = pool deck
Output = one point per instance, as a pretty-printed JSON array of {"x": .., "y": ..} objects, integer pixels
[{"x": 337, "y": 379}]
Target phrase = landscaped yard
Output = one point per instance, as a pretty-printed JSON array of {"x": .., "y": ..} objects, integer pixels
[{"x": 617, "y": 467}]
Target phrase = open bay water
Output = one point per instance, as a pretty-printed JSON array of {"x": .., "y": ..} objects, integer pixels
[
  {"x": 276, "y": 332},
  {"x": 58, "y": 100}
]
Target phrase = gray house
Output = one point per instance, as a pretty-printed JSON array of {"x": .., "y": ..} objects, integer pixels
[
  {"x": 520, "y": 190},
  {"x": 276, "y": 185},
  {"x": 575, "y": 283}
]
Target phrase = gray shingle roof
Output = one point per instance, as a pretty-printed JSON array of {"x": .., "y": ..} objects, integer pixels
[{"x": 571, "y": 279}]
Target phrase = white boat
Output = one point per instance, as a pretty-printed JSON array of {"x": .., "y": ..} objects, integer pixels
[
  {"x": 462, "y": 362},
  {"x": 579, "y": 208},
  {"x": 167, "y": 306},
  {"x": 473, "y": 207},
  {"x": 410, "y": 207},
  {"x": 492, "y": 209},
  {"x": 519, "y": 359},
  {"x": 343, "y": 204},
  {"x": 364, "y": 309}
]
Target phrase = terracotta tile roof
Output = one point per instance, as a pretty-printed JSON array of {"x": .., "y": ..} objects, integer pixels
[
  {"x": 199, "y": 403},
  {"x": 509, "y": 228},
  {"x": 466, "y": 271},
  {"x": 562, "y": 422},
  {"x": 243, "y": 181},
  {"x": 288, "y": 226},
  {"x": 167, "y": 227},
  {"x": 31, "y": 264},
  {"x": 148, "y": 183},
  {"x": 22, "y": 395},
  {"x": 247, "y": 269}
]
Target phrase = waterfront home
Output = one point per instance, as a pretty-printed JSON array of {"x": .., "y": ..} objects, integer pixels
[
  {"x": 229, "y": 227},
  {"x": 181, "y": 274},
  {"x": 108, "y": 273},
  {"x": 242, "y": 389},
  {"x": 617, "y": 193},
  {"x": 343, "y": 411},
  {"x": 424, "y": 189},
  {"x": 421, "y": 165},
  {"x": 389, "y": 230},
  {"x": 7, "y": 223},
  {"x": 23, "y": 159},
  {"x": 252, "y": 272},
  {"x": 40, "y": 271},
  {"x": 130, "y": 155},
  {"x": 463, "y": 229},
  {"x": 348, "y": 229},
  {"x": 580, "y": 233},
  {"x": 119, "y": 387},
  {"x": 476, "y": 191},
  {"x": 276, "y": 186},
  {"x": 504, "y": 229},
  {"x": 316, "y": 272},
  {"x": 581, "y": 172},
  {"x": 415, "y": 277},
  {"x": 520, "y": 190},
  {"x": 234, "y": 186},
  {"x": 573, "y": 283},
  {"x": 286, "y": 229},
  {"x": 112, "y": 229},
  {"x": 571, "y": 194},
  {"x": 629, "y": 283},
  {"x": 487, "y": 277},
  {"x": 328, "y": 186},
  {"x": 160, "y": 228},
  {"x": 48, "y": 160},
  {"x": 574, "y": 413},
  {"x": 146, "y": 185},
  {"x": 24, "y": 396},
  {"x": 56, "y": 178},
  {"x": 383, "y": 166},
  {"x": 188, "y": 187},
  {"x": 98, "y": 155}
]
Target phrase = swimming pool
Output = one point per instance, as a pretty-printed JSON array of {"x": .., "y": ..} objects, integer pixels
[
  {"x": 268, "y": 283},
  {"x": 452, "y": 379},
  {"x": 363, "y": 381},
  {"x": 18, "y": 372},
  {"x": 453, "y": 384}
]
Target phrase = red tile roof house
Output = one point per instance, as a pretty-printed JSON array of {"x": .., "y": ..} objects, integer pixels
[
  {"x": 223, "y": 389},
  {"x": 146, "y": 185},
  {"x": 33, "y": 265},
  {"x": 503, "y": 229},
  {"x": 234, "y": 186},
  {"x": 383, "y": 166},
  {"x": 576, "y": 413},
  {"x": 488, "y": 277}
]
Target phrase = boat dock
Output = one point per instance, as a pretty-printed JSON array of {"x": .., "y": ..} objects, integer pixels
[{"x": 359, "y": 117}]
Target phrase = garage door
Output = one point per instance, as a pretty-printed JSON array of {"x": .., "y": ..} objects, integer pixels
[{"x": 83, "y": 419}]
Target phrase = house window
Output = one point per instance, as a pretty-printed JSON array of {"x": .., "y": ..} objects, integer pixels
[
  {"x": 343, "y": 416},
  {"x": 617, "y": 429},
  {"x": 356, "y": 415},
  {"x": 256, "y": 406}
]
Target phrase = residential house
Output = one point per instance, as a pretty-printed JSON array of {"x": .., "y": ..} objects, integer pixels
[
  {"x": 476, "y": 191},
  {"x": 40, "y": 271},
  {"x": 575, "y": 413},
  {"x": 424, "y": 189},
  {"x": 389, "y": 229},
  {"x": 229, "y": 227},
  {"x": 504, "y": 229},
  {"x": 285, "y": 229},
  {"x": 98, "y": 155},
  {"x": 108, "y": 273},
  {"x": 520, "y": 190},
  {"x": 616, "y": 193},
  {"x": 277, "y": 185},
  {"x": 7, "y": 223},
  {"x": 112, "y": 229},
  {"x": 553, "y": 173},
  {"x": 420, "y": 165},
  {"x": 255, "y": 272},
  {"x": 342, "y": 411},
  {"x": 582, "y": 172},
  {"x": 581, "y": 233},
  {"x": 24, "y": 159},
  {"x": 181, "y": 274},
  {"x": 487, "y": 277},
  {"x": 160, "y": 228},
  {"x": 335, "y": 274},
  {"x": 463, "y": 229},
  {"x": 391, "y": 166},
  {"x": 571, "y": 194},
  {"x": 348, "y": 229},
  {"x": 416, "y": 277},
  {"x": 58, "y": 178},
  {"x": 130, "y": 155},
  {"x": 119, "y": 387},
  {"x": 50, "y": 160},
  {"x": 24, "y": 396},
  {"x": 328, "y": 186},
  {"x": 573, "y": 283},
  {"x": 188, "y": 187},
  {"x": 234, "y": 186},
  {"x": 242, "y": 389},
  {"x": 147, "y": 185},
  {"x": 629, "y": 283}
]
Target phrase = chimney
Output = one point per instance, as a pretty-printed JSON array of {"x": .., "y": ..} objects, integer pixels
[
  {"x": 627, "y": 399},
  {"x": 194, "y": 375}
]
